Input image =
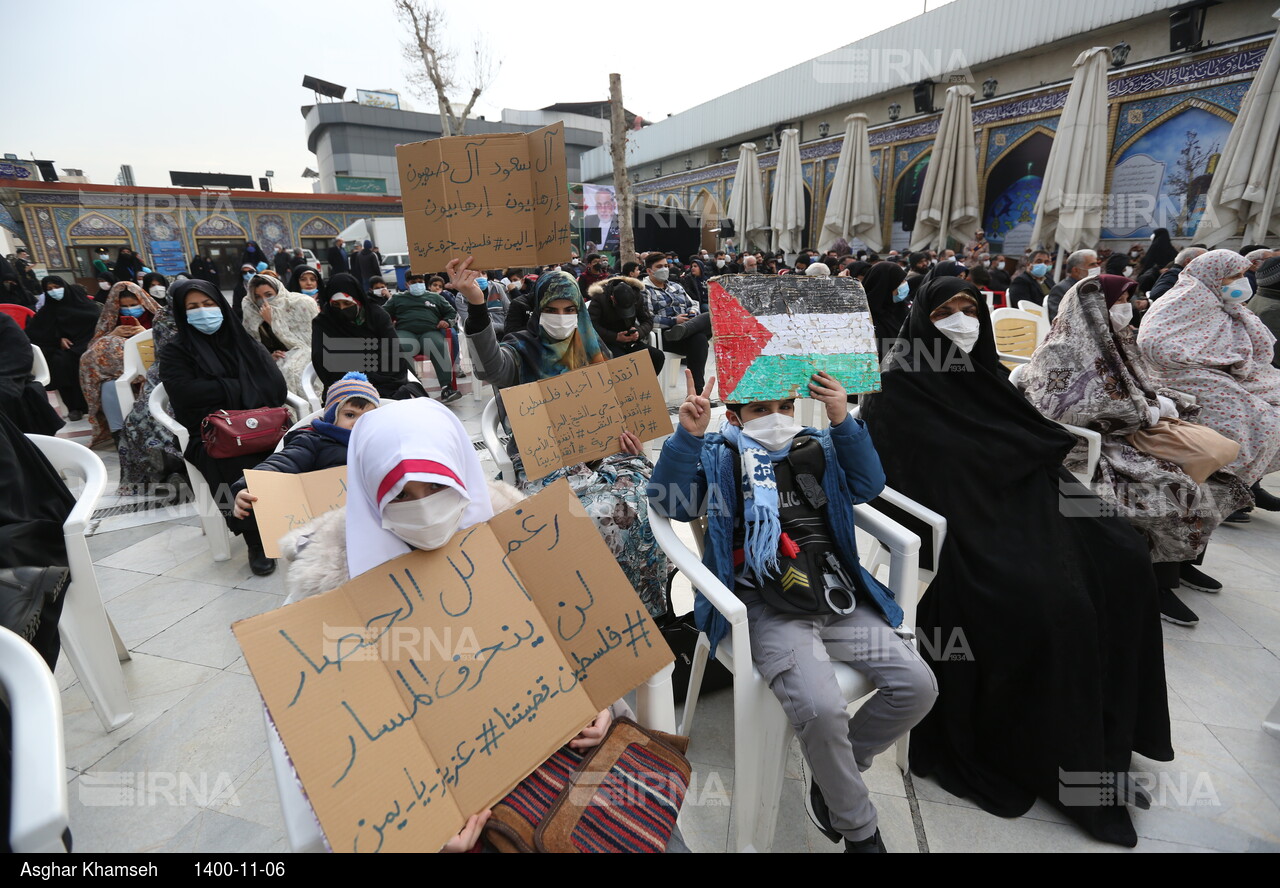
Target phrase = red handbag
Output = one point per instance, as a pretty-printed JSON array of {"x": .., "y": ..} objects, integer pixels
[{"x": 229, "y": 433}]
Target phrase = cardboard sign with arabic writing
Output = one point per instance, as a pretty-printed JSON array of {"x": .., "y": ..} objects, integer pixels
[
  {"x": 502, "y": 198},
  {"x": 287, "y": 501},
  {"x": 577, "y": 416},
  {"x": 773, "y": 332},
  {"x": 424, "y": 690}
]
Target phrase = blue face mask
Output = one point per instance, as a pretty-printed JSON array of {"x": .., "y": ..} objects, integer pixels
[
  {"x": 248, "y": 275},
  {"x": 902, "y": 292},
  {"x": 55, "y": 293},
  {"x": 206, "y": 320},
  {"x": 418, "y": 289},
  {"x": 132, "y": 311},
  {"x": 483, "y": 284},
  {"x": 311, "y": 292},
  {"x": 1039, "y": 269}
]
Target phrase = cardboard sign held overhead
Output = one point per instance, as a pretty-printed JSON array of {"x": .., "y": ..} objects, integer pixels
[
  {"x": 577, "y": 416},
  {"x": 501, "y": 198},
  {"x": 424, "y": 690},
  {"x": 774, "y": 332},
  {"x": 287, "y": 502}
]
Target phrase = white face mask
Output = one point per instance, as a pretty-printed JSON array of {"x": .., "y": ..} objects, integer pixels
[
  {"x": 772, "y": 432},
  {"x": 1238, "y": 292},
  {"x": 720, "y": 263},
  {"x": 157, "y": 292},
  {"x": 960, "y": 329},
  {"x": 1094, "y": 272},
  {"x": 1121, "y": 314},
  {"x": 558, "y": 327},
  {"x": 426, "y": 523}
]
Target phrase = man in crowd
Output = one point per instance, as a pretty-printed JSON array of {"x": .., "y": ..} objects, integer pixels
[
  {"x": 1170, "y": 275},
  {"x": 917, "y": 265},
  {"x": 282, "y": 262},
  {"x": 686, "y": 330},
  {"x": 596, "y": 271},
  {"x": 1034, "y": 283},
  {"x": 1080, "y": 265},
  {"x": 336, "y": 256}
]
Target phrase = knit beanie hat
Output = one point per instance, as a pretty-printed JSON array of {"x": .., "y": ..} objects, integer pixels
[
  {"x": 353, "y": 385},
  {"x": 1269, "y": 274}
]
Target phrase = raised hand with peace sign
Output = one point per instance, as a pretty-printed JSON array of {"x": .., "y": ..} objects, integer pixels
[{"x": 695, "y": 412}]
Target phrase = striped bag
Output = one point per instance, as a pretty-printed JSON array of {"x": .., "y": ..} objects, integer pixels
[{"x": 620, "y": 797}]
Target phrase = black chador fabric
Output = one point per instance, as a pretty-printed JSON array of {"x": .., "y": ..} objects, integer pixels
[
  {"x": 22, "y": 399},
  {"x": 73, "y": 317},
  {"x": 33, "y": 505},
  {"x": 881, "y": 282},
  {"x": 1042, "y": 623},
  {"x": 335, "y": 334},
  {"x": 203, "y": 373}
]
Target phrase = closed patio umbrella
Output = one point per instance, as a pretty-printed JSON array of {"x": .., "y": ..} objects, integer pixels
[
  {"x": 746, "y": 203},
  {"x": 787, "y": 218},
  {"x": 853, "y": 209},
  {"x": 1246, "y": 182},
  {"x": 1069, "y": 207},
  {"x": 949, "y": 198}
]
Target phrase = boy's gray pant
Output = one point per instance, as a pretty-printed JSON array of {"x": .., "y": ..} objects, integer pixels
[{"x": 795, "y": 654}]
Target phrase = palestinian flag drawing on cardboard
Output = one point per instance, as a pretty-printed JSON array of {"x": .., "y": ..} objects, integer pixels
[{"x": 773, "y": 332}]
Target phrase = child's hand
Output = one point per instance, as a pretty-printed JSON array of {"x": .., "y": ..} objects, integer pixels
[
  {"x": 244, "y": 504},
  {"x": 467, "y": 837},
  {"x": 593, "y": 733},
  {"x": 831, "y": 393},
  {"x": 695, "y": 412}
]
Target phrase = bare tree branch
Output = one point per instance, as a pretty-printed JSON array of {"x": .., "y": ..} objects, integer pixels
[{"x": 433, "y": 64}]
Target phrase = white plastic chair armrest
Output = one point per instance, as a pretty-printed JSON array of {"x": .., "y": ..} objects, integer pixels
[
  {"x": 300, "y": 406},
  {"x": 904, "y": 558},
  {"x": 39, "y": 812},
  {"x": 158, "y": 401},
  {"x": 1015, "y": 359},
  {"x": 688, "y": 563},
  {"x": 69, "y": 454},
  {"x": 1093, "y": 441},
  {"x": 928, "y": 516}
]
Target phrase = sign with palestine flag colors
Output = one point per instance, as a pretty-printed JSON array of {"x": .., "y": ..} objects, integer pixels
[{"x": 774, "y": 332}]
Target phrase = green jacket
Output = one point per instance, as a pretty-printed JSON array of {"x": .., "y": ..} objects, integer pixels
[{"x": 420, "y": 314}]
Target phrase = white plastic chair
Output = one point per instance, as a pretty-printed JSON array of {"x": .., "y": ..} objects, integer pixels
[
  {"x": 90, "y": 639},
  {"x": 133, "y": 369},
  {"x": 309, "y": 383},
  {"x": 1091, "y": 438},
  {"x": 492, "y": 432},
  {"x": 1018, "y": 332},
  {"x": 305, "y": 421},
  {"x": 991, "y": 299},
  {"x": 672, "y": 370},
  {"x": 762, "y": 732},
  {"x": 39, "y": 366},
  {"x": 1031, "y": 307},
  {"x": 215, "y": 528},
  {"x": 38, "y": 811}
]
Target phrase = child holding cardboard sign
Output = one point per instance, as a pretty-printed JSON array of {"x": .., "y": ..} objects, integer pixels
[
  {"x": 321, "y": 445},
  {"x": 779, "y": 504}
]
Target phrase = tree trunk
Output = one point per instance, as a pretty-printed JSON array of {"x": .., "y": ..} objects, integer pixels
[{"x": 621, "y": 182}]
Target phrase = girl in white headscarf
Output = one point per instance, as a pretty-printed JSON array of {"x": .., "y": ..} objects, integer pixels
[
  {"x": 413, "y": 481},
  {"x": 281, "y": 321},
  {"x": 1200, "y": 339}
]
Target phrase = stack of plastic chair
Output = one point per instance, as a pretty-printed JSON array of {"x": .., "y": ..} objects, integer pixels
[{"x": 92, "y": 644}]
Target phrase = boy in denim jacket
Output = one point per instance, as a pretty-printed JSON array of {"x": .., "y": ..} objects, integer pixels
[{"x": 780, "y": 533}]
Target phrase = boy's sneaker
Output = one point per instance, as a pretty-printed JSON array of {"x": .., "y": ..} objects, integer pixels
[
  {"x": 816, "y": 806},
  {"x": 873, "y": 845},
  {"x": 448, "y": 395},
  {"x": 1174, "y": 611},
  {"x": 1198, "y": 580}
]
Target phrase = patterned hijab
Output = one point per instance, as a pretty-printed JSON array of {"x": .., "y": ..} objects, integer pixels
[
  {"x": 110, "y": 317},
  {"x": 1192, "y": 326},
  {"x": 542, "y": 357},
  {"x": 1085, "y": 373}
]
